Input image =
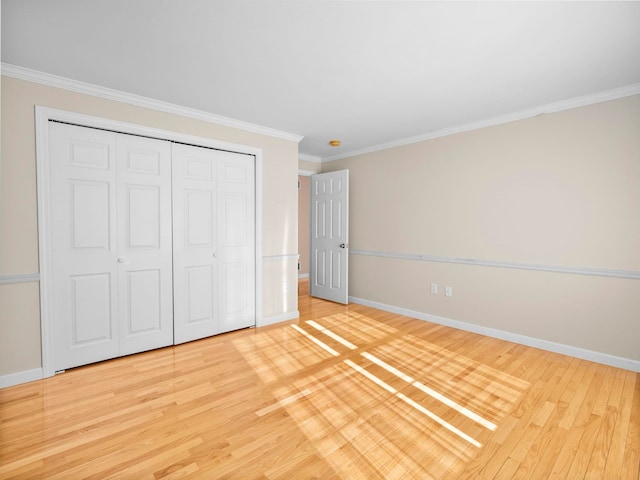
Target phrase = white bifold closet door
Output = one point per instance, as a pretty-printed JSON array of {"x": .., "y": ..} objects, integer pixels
[
  {"x": 111, "y": 237},
  {"x": 213, "y": 241},
  {"x": 153, "y": 243}
]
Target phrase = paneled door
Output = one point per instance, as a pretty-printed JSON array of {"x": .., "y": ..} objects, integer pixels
[
  {"x": 329, "y": 275},
  {"x": 84, "y": 245},
  {"x": 214, "y": 241},
  {"x": 236, "y": 240},
  {"x": 145, "y": 285},
  {"x": 111, "y": 242},
  {"x": 195, "y": 262}
]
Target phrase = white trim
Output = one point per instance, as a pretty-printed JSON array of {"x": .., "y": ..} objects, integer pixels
[
  {"x": 258, "y": 235},
  {"x": 309, "y": 158},
  {"x": 20, "y": 377},
  {"x": 592, "y": 356},
  {"x": 599, "y": 272},
  {"x": 283, "y": 317},
  {"x": 302, "y": 276},
  {"x": 56, "y": 81},
  {"x": 614, "y": 94},
  {"x": 19, "y": 278},
  {"x": 42, "y": 117},
  {"x": 306, "y": 173},
  {"x": 43, "y": 176}
]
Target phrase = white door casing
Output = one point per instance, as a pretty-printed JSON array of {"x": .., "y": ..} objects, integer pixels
[
  {"x": 48, "y": 227},
  {"x": 329, "y": 269}
]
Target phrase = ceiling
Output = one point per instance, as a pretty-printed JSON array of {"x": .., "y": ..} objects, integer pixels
[{"x": 366, "y": 73}]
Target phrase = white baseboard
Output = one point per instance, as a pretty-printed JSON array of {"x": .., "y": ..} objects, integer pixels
[
  {"x": 283, "y": 317},
  {"x": 303, "y": 275},
  {"x": 20, "y": 377},
  {"x": 598, "y": 357}
]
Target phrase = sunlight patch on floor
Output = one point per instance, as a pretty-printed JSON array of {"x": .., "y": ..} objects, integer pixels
[{"x": 359, "y": 388}]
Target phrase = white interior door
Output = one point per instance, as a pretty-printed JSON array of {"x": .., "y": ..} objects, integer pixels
[
  {"x": 195, "y": 262},
  {"x": 145, "y": 296},
  {"x": 214, "y": 242},
  {"x": 84, "y": 245},
  {"x": 236, "y": 240},
  {"x": 111, "y": 243},
  {"x": 105, "y": 221},
  {"x": 329, "y": 274}
]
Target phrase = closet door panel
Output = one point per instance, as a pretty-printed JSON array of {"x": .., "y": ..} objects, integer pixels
[
  {"x": 90, "y": 214},
  {"x": 234, "y": 284},
  {"x": 195, "y": 259},
  {"x": 143, "y": 301},
  {"x": 200, "y": 284},
  {"x": 198, "y": 216},
  {"x": 144, "y": 244},
  {"x": 83, "y": 241},
  {"x": 236, "y": 216},
  {"x": 143, "y": 212},
  {"x": 90, "y": 312}
]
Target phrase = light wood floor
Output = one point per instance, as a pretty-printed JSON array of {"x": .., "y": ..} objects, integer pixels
[{"x": 343, "y": 393}]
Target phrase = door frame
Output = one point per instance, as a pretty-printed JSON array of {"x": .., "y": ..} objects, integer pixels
[
  {"x": 43, "y": 116},
  {"x": 305, "y": 173}
]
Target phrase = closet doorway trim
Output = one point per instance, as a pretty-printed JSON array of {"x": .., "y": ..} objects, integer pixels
[{"x": 43, "y": 117}]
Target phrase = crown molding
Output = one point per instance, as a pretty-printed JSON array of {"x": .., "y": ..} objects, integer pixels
[
  {"x": 22, "y": 73},
  {"x": 56, "y": 81},
  {"x": 309, "y": 158},
  {"x": 614, "y": 94}
]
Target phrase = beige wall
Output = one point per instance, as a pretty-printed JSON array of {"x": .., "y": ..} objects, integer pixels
[
  {"x": 304, "y": 224},
  {"x": 561, "y": 189},
  {"x": 19, "y": 314}
]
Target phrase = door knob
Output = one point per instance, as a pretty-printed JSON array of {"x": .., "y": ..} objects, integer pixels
[
  {"x": 121, "y": 260},
  {"x": 344, "y": 245}
]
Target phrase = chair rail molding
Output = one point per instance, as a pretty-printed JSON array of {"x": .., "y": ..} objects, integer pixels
[
  {"x": 19, "y": 278},
  {"x": 599, "y": 272}
]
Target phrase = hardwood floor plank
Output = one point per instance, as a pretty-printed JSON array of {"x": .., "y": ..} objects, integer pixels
[
  {"x": 585, "y": 447},
  {"x": 544, "y": 451},
  {"x": 576, "y": 393},
  {"x": 344, "y": 392},
  {"x": 631, "y": 459},
  {"x": 602, "y": 445}
]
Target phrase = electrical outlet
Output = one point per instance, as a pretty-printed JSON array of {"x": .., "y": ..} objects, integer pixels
[
  {"x": 434, "y": 288},
  {"x": 448, "y": 291},
  {"x": 285, "y": 287}
]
